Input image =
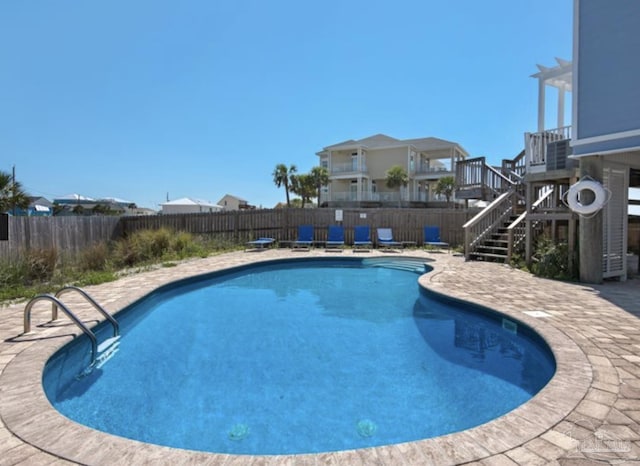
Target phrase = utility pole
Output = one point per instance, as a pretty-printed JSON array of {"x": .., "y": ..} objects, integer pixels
[{"x": 13, "y": 189}]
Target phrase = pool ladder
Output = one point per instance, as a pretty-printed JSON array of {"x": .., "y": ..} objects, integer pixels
[{"x": 99, "y": 353}]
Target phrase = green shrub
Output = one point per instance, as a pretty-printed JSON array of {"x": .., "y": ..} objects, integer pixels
[
  {"x": 40, "y": 264},
  {"x": 94, "y": 257},
  {"x": 124, "y": 254},
  {"x": 44, "y": 270},
  {"x": 551, "y": 260}
]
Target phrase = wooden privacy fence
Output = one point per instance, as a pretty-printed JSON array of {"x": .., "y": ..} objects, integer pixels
[
  {"x": 72, "y": 234},
  {"x": 65, "y": 234},
  {"x": 282, "y": 224}
]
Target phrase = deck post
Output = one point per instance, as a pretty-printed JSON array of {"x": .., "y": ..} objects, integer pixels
[{"x": 590, "y": 230}]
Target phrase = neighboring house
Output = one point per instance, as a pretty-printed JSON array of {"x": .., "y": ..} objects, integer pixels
[
  {"x": 357, "y": 170},
  {"x": 74, "y": 199},
  {"x": 566, "y": 173},
  {"x": 76, "y": 204},
  {"x": 230, "y": 202},
  {"x": 38, "y": 207},
  {"x": 187, "y": 205},
  {"x": 139, "y": 212}
]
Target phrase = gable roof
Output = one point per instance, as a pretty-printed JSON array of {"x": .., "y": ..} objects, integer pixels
[
  {"x": 74, "y": 197},
  {"x": 382, "y": 140},
  {"x": 234, "y": 197},
  {"x": 377, "y": 140},
  {"x": 190, "y": 201}
]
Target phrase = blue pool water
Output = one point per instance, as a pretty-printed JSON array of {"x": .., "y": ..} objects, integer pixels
[{"x": 300, "y": 357}]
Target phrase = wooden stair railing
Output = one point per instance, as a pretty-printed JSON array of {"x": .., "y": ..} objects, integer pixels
[
  {"x": 487, "y": 222},
  {"x": 517, "y": 229}
]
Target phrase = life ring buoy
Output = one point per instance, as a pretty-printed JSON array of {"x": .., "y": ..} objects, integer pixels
[{"x": 573, "y": 197}]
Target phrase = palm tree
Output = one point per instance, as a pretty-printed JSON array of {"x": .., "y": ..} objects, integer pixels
[
  {"x": 445, "y": 186},
  {"x": 304, "y": 186},
  {"x": 320, "y": 177},
  {"x": 397, "y": 178},
  {"x": 11, "y": 194},
  {"x": 282, "y": 177}
]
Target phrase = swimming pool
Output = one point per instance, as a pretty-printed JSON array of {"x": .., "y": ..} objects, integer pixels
[{"x": 300, "y": 356}]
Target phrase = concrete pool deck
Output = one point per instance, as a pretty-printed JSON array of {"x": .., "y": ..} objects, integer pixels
[{"x": 588, "y": 414}]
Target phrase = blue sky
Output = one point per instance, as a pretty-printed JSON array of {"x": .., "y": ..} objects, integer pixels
[{"x": 200, "y": 98}]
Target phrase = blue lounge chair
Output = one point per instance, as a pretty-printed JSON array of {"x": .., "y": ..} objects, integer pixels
[
  {"x": 385, "y": 239},
  {"x": 260, "y": 243},
  {"x": 362, "y": 238},
  {"x": 432, "y": 237},
  {"x": 335, "y": 237},
  {"x": 305, "y": 237}
]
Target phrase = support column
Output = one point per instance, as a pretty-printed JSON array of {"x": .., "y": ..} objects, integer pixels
[
  {"x": 528, "y": 224},
  {"x": 561, "y": 95},
  {"x": 590, "y": 230},
  {"x": 541, "y": 99}
]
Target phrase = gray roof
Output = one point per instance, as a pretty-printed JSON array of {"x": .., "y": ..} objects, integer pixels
[{"x": 382, "y": 140}]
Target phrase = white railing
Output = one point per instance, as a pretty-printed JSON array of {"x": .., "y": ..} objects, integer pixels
[
  {"x": 348, "y": 167},
  {"x": 536, "y": 144},
  {"x": 380, "y": 196},
  {"x": 427, "y": 170},
  {"x": 487, "y": 221},
  {"x": 516, "y": 230}
]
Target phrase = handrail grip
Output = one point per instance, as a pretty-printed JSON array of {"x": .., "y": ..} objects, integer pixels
[
  {"x": 484, "y": 212},
  {"x": 100, "y": 309},
  {"x": 71, "y": 315}
]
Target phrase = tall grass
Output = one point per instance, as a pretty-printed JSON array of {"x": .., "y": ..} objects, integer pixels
[{"x": 45, "y": 270}]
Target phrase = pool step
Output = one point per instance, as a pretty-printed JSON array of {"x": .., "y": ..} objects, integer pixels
[
  {"x": 409, "y": 265},
  {"x": 106, "y": 350}
]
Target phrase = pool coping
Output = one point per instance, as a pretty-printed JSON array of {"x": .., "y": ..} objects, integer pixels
[{"x": 27, "y": 413}]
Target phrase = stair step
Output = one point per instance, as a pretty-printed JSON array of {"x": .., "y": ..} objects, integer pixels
[
  {"x": 107, "y": 343},
  {"x": 489, "y": 255},
  {"x": 493, "y": 248}
]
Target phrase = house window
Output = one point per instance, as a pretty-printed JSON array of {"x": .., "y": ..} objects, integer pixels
[
  {"x": 324, "y": 163},
  {"x": 354, "y": 161}
]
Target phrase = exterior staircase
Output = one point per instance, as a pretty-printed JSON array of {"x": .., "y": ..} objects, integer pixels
[
  {"x": 499, "y": 231},
  {"x": 495, "y": 247}
]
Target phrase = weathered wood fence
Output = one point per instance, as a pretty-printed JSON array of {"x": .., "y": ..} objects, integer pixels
[
  {"x": 282, "y": 224},
  {"x": 72, "y": 234},
  {"x": 65, "y": 234}
]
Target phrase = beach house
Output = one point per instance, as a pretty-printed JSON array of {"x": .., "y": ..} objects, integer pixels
[{"x": 357, "y": 170}]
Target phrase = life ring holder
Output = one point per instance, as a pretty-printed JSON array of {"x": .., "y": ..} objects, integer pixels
[{"x": 572, "y": 197}]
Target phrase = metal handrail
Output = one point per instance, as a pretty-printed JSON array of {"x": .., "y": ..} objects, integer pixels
[
  {"x": 66, "y": 289},
  {"x": 71, "y": 315}
]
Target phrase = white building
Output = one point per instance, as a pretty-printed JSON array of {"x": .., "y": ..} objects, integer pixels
[
  {"x": 231, "y": 202},
  {"x": 187, "y": 205}
]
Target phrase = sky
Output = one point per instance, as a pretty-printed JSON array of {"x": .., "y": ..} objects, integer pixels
[{"x": 150, "y": 100}]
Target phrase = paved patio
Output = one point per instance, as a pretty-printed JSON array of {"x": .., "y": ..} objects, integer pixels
[{"x": 588, "y": 414}]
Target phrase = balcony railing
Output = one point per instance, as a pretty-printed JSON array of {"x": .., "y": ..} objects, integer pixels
[
  {"x": 536, "y": 144},
  {"x": 429, "y": 170},
  {"x": 349, "y": 167},
  {"x": 380, "y": 196}
]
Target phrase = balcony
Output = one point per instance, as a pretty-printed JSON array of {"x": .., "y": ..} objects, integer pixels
[
  {"x": 547, "y": 150},
  {"x": 347, "y": 167},
  {"x": 424, "y": 171}
]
